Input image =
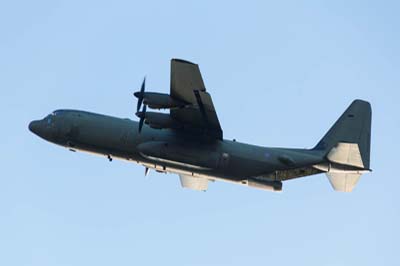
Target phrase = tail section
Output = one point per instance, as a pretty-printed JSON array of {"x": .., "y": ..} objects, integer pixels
[
  {"x": 343, "y": 182},
  {"x": 346, "y": 154},
  {"x": 347, "y": 146}
]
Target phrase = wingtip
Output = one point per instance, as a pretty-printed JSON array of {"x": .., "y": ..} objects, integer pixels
[{"x": 182, "y": 61}]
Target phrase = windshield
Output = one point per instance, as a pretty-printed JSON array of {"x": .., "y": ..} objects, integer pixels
[
  {"x": 49, "y": 119},
  {"x": 58, "y": 112}
]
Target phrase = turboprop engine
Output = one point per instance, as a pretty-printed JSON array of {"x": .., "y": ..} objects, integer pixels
[
  {"x": 158, "y": 120},
  {"x": 157, "y": 100}
]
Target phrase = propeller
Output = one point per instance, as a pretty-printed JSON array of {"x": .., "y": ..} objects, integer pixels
[
  {"x": 140, "y": 95},
  {"x": 142, "y": 116}
]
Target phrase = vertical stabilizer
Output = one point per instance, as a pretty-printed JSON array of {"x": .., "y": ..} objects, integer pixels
[
  {"x": 353, "y": 127},
  {"x": 346, "y": 147}
]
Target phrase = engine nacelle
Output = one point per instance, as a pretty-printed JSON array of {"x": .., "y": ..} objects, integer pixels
[
  {"x": 156, "y": 100},
  {"x": 160, "y": 120}
]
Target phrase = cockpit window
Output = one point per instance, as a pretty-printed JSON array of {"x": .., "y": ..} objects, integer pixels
[
  {"x": 49, "y": 119},
  {"x": 59, "y": 112}
]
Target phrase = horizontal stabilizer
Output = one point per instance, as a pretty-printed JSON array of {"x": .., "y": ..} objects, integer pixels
[
  {"x": 344, "y": 182},
  {"x": 346, "y": 153}
]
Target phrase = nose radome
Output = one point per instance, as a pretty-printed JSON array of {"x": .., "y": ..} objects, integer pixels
[{"x": 33, "y": 126}]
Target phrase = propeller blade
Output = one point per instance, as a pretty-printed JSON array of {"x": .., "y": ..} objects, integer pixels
[
  {"x": 140, "y": 94},
  {"x": 142, "y": 116},
  {"x": 141, "y": 124},
  {"x": 146, "y": 171}
]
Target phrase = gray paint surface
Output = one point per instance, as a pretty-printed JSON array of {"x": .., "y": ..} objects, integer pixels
[{"x": 195, "y": 149}]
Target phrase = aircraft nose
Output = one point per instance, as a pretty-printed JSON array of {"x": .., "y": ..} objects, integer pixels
[{"x": 34, "y": 126}]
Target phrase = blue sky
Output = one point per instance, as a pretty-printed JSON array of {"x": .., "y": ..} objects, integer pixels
[{"x": 280, "y": 73}]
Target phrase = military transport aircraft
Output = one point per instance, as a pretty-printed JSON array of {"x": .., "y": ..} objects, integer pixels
[{"x": 189, "y": 141}]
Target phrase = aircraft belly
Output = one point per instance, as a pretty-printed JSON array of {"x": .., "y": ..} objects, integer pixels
[
  {"x": 192, "y": 156},
  {"x": 225, "y": 160}
]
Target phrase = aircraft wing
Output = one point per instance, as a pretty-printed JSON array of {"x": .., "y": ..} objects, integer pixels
[{"x": 187, "y": 85}]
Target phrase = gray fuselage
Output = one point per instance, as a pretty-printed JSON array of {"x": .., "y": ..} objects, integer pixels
[{"x": 170, "y": 150}]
